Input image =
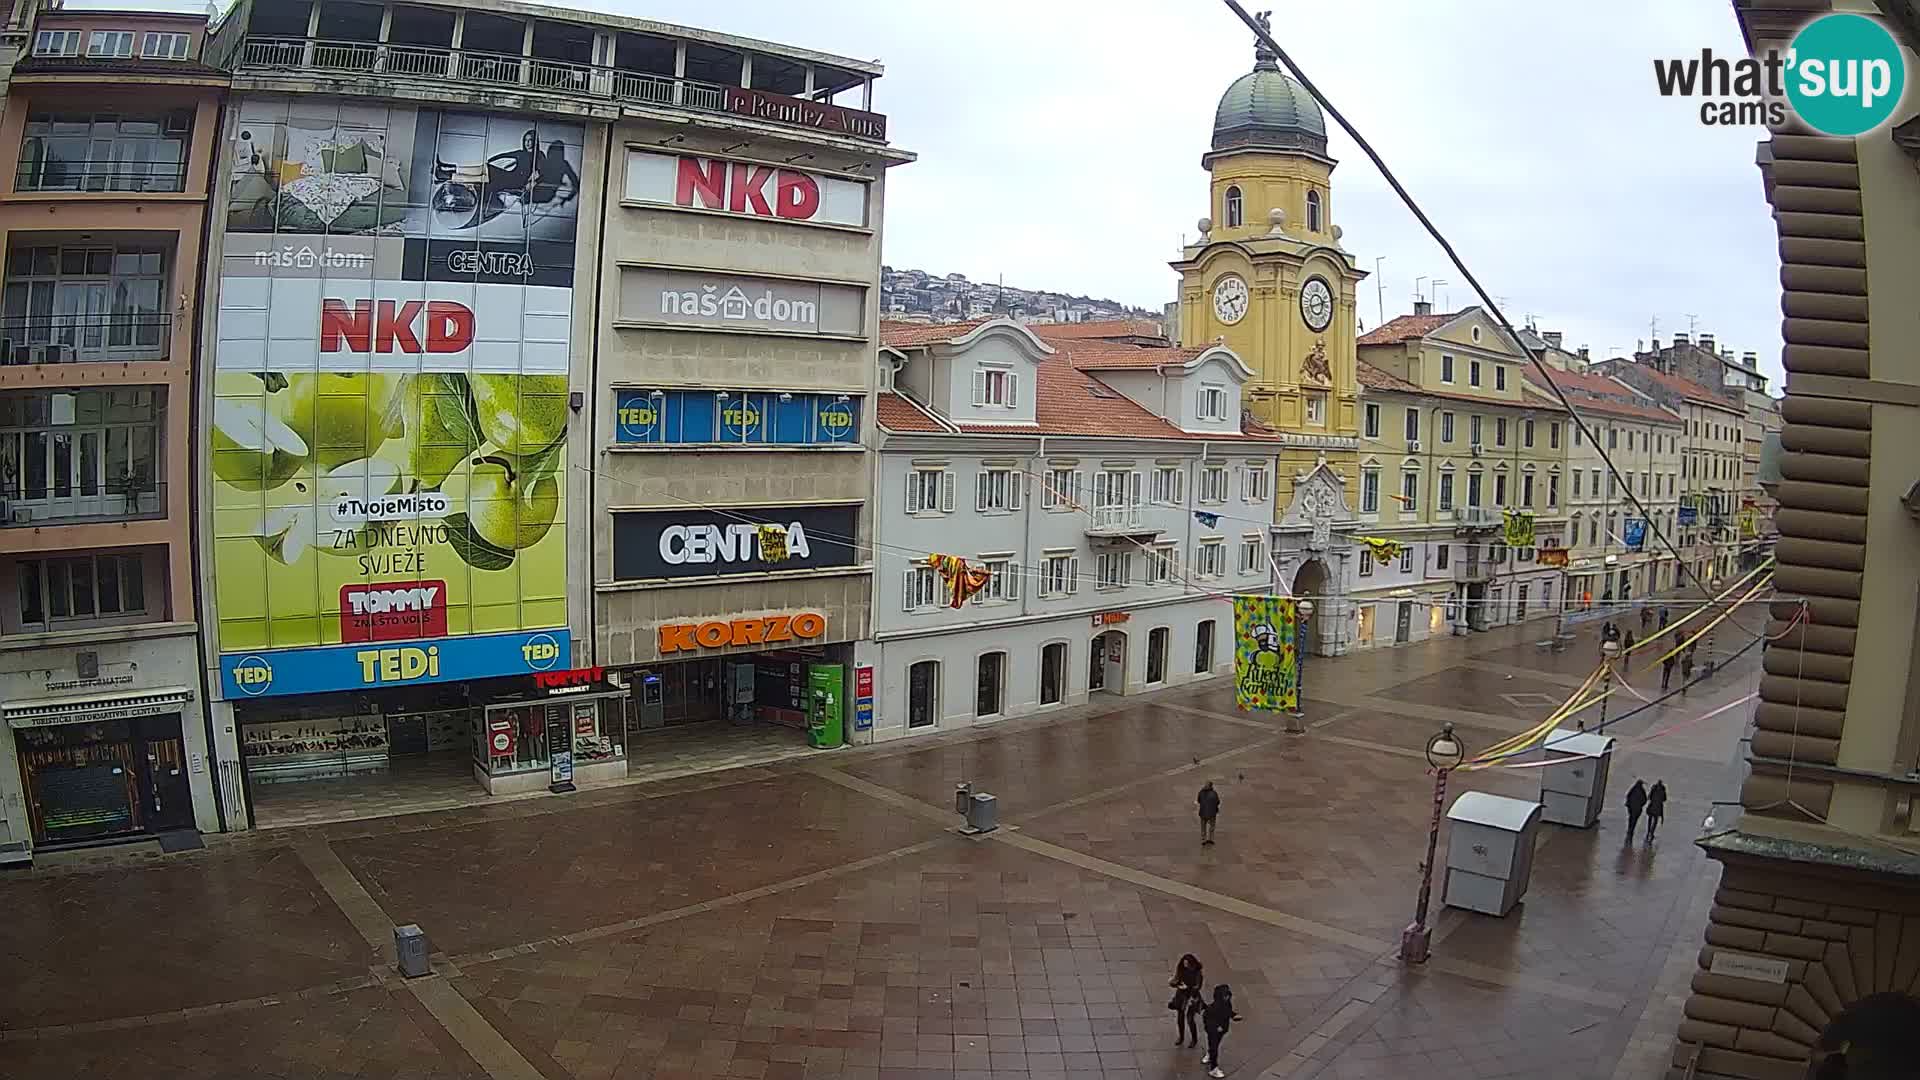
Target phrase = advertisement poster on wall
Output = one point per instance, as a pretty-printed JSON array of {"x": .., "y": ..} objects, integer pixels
[{"x": 388, "y": 438}]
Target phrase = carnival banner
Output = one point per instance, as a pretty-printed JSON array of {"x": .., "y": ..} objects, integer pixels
[
  {"x": 1749, "y": 524},
  {"x": 1384, "y": 551},
  {"x": 1518, "y": 528},
  {"x": 1636, "y": 533},
  {"x": 1266, "y": 662}
]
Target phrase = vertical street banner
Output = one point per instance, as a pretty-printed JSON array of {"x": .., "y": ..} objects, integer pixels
[
  {"x": 1266, "y": 661},
  {"x": 388, "y": 437}
]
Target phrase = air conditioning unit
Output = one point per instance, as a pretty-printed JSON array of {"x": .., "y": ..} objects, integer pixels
[
  {"x": 43, "y": 354},
  {"x": 20, "y": 515},
  {"x": 1413, "y": 446},
  {"x": 1477, "y": 448}
]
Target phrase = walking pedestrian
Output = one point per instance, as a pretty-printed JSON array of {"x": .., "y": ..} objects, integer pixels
[
  {"x": 1656, "y": 807},
  {"x": 1626, "y": 651},
  {"x": 1663, "y": 616},
  {"x": 1209, "y": 801},
  {"x": 1646, "y": 619},
  {"x": 1217, "y": 1019},
  {"x": 1636, "y": 802},
  {"x": 1666, "y": 671},
  {"x": 1188, "y": 1000},
  {"x": 1686, "y": 665}
]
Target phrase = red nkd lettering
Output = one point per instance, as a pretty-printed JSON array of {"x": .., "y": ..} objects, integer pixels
[
  {"x": 389, "y": 326},
  {"x": 796, "y": 196},
  {"x": 701, "y": 183}
]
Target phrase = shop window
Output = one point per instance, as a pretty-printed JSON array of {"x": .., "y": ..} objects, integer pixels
[
  {"x": 1157, "y": 640},
  {"x": 990, "y": 695},
  {"x": 1053, "y": 673},
  {"x": 1203, "y": 648},
  {"x": 526, "y": 728}
]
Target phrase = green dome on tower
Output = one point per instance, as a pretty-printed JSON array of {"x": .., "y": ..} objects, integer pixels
[{"x": 1266, "y": 110}]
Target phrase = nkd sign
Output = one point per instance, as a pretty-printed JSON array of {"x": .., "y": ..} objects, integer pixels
[
  {"x": 733, "y": 301},
  {"x": 750, "y": 189}
]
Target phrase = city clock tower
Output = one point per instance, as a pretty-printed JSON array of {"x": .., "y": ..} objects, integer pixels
[{"x": 1268, "y": 275}]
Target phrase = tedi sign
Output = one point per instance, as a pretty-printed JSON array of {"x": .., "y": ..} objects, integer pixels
[{"x": 1843, "y": 75}]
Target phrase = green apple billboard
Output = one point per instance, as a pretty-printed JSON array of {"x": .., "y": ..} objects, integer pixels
[{"x": 387, "y": 439}]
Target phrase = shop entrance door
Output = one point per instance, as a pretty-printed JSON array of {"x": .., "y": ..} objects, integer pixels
[
  {"x": 1107, "y": 659},
  {"x": 1403, "y": 623},
  {"x": 923, "y": 694},
  {"x": 92, "y": 781},
  {"x": 168, "y": 798}
]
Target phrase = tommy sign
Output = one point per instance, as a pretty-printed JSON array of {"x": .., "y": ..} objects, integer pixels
[
  {"x": 749, "y": 189},
  {"x": 733, "y": 301},
  {"x": 705, "y": 543}
]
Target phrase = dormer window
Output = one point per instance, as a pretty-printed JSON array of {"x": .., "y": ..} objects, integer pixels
[
  {"x": 57, "y": 43},
  {"x": 116, "y": 44},
  {"x": 159, "y": 46},
  {"x": 1236, "y": 208},
  {"x": 1213, "y": 403},
  {"x": 996, "y": 387},
  {"x": 1313, "y": 211}
]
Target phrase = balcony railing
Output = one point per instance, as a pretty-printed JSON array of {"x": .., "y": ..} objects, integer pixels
[
  {"x": 586, "y": 80},
  {"x": 39, "y": 175},
  {"x": 79, "y": 501},
  {"x": 77, "y": 339}
]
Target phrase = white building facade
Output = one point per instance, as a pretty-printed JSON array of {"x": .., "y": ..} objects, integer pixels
[{"x": 1106, "y": 491}]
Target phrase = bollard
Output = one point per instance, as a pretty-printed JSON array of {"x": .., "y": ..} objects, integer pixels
[
  {"x": 410, "y": 948},
  {"x": 983, "y": 814}
]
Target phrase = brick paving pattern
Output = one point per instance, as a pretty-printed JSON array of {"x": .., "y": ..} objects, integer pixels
[{"x": 819, "y": 917}]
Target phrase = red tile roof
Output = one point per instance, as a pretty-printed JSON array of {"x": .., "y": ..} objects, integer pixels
[
  {"x": 1402, "y": 327},
  {"x": 1067, "y": 401},
  {"x": 1375, "y": 379},
  {"x": 1104, "y": 328},
  {"x": 897, "y": 413},
  {"x": 1598, "y": 394},
  {"x": 1102, "y": 355},
  {"x": 1676, "y": 384},
  {"x": 906, "y": 335}
]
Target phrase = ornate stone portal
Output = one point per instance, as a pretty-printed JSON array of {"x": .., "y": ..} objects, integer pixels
[{"x": 1311, "y": 550}]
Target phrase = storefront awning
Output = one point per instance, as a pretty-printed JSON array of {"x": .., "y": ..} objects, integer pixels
[{"x": 94, "y": 708}]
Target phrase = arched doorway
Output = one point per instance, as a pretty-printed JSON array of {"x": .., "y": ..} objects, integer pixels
[
  {"x": 1310, "y": 582},
  {"x": 1107, "y": 663},
  {"x": 1875, "y": 1038}
]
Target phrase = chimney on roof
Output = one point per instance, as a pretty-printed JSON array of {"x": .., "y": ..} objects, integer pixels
[
  {"x": 1656, "y": 343},
  {"x": 1706, "y": 342},
  {"x": 1554, "y": 337},
  {"x": 1586, "y": 355},
  {"x": 1423, "y": 307},
  {"x": 1678, "y": 341},
  {"x": 1750, "y": 361}
]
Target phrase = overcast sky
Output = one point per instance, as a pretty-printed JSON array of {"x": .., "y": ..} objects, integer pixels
[{"x": 1060, "y": 145}]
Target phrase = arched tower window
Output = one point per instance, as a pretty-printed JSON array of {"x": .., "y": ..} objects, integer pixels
[
  {"x": 1313, "y": 211},
  {"x": 1235, "y": 208}
]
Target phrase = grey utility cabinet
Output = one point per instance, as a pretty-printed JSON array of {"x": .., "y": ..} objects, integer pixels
[
  {"x": 1573, "y": 785},
  {"x": 1489, "y": 852}
]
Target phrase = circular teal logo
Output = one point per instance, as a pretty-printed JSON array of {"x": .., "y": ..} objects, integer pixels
[{"x": 1845, "y": 74}]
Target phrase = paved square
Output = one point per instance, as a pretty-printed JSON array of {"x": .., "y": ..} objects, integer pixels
[{"x": 820, "y": 918}]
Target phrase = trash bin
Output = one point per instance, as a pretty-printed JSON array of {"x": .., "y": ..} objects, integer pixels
[
  {"x": 983, "y": 813},
  {"x": 1573, "y": 788},
  {"x": 410, "y": 946},
  {"x": 1489, "y": 852}
]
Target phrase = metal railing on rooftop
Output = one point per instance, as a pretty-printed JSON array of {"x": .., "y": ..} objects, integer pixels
[{"x": 499, "y": 69}]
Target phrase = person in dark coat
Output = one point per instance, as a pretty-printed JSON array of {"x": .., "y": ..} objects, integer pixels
[
  {"x": 1686, "y": 664},
  {"x": 1656, "y": 807},
  {"x": 1663, "y": 617},
  {"x": 1209, "y": 801},
  {"x": 1666, "y": 671},
  {"x": 1188, "y": 1000},
  {"x": 1646, "y": 619},
  {"x": 1218, "y": 1017},
  {"x": 1626, "y": 651},
  {"x": 1636, "y": 802}
]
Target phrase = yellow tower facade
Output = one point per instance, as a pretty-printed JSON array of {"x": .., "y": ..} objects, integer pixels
[{"x": 1268, "y": 276}]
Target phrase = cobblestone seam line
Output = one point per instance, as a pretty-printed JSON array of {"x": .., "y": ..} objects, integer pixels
[
  {"x": 347, "y": 893},
  {"x": 196, "y": 1012}
]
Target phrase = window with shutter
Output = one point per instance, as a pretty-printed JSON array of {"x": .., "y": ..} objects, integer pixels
[
  {"x": 907, "y": 602},
  {"x": 913, "y": 492},
  {"x": 947, "y": 483},
  {"x": 980, "y": 481},
  {"x": 1073, "y": 575},
  {"x": 1013, "y": 389},
  {"x": 979, "y": 386},
  {"x": 1016, "y": 486},
  {"x": 1133, "y": 488}
]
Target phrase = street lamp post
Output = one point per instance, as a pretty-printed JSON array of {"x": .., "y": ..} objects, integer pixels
[
  {"x": 1303, "y": 612},
  {"x": 1712, "y": 615},
  {"x": 1608, "y": 651},
  {"x": 1444, "y": 754}
]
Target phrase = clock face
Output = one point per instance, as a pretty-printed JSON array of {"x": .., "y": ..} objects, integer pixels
[
  {"x": 1230, "y": 299},
  {"x": 1316, "y": 303}
]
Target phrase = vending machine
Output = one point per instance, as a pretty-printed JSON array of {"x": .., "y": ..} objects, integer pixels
[{"x": 826, "y": 693}]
